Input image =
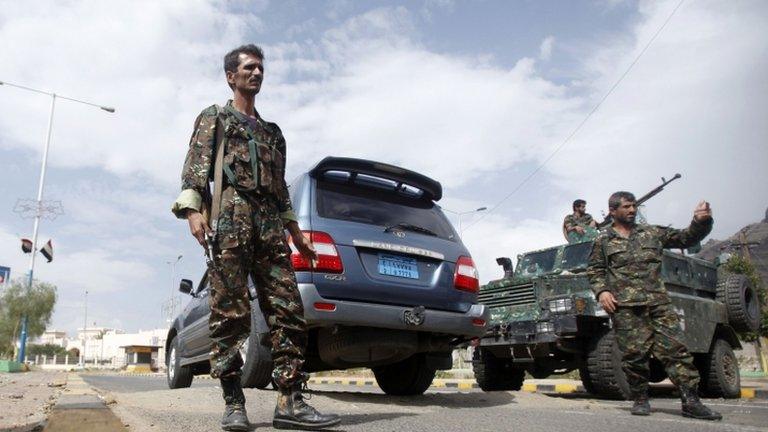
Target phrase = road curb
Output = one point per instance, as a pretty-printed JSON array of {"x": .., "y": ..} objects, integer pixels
[{"x": 528, "y": 387}]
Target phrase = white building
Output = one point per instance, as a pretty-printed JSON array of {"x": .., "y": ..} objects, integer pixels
[
  {"x": 103, "y": 345},
  {"x": 52, "y": 337}
]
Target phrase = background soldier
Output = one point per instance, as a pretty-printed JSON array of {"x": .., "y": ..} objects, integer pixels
[
  {"x": 579, "y": 225},
  {"x": 625, "y": 274},
  {"x": 249, "y": 240}
]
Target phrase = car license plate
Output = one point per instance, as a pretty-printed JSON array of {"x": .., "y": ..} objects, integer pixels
[{"x": 393, "y": 265}]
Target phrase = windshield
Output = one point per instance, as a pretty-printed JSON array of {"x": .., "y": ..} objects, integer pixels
[
  {"x": 379, "y": 204},
  {"x": 576, "y": 255},
  {"x": 537, "y": 263}
]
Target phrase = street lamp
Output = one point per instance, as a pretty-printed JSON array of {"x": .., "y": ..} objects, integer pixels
[
  {"x": 460, "y": 214},
  {"x": 38, "y": 212}
]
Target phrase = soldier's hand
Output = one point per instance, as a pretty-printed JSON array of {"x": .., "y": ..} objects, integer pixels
[
  {"x": 305, "y": 247},
  {"x": 579, "y": 230},
  {"x": 702, "y": 212},
  {"x": 608, "y": 301},
  {"x": 198, "y": 226}
]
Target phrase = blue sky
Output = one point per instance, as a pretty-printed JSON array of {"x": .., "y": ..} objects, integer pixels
[{"x": 476, "y": 94}]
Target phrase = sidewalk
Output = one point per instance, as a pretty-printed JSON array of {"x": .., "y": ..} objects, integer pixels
[
  {"x": 26, "y": 398},
  {"x": 80, "y": 409}
]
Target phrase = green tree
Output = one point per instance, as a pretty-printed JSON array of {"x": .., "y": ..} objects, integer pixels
[
  {"x": 17, "y": 301},
  {"x": 48, "y": 350}
]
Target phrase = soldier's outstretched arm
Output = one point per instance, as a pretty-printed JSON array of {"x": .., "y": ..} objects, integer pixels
[{"x": 701, "y": 225}]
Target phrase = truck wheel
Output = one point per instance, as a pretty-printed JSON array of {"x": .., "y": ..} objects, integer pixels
[
  {"x": 178, "y": 376},
  {"x": 494, "y": 374},
  {"x": 741, "y": 302},
  {"x": 409, "y": 377},
  {"x": 257, "y": 363},
  {"x": 720, "y": 372},
  {"x": 586, "y": 380},
  {"x": 604, "y": 367}
]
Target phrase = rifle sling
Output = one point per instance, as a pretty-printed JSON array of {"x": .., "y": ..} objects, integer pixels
[{"x": 217, "y": 173}]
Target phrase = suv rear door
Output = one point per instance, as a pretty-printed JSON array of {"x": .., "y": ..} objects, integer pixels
[{"x": 396, "y": 246}]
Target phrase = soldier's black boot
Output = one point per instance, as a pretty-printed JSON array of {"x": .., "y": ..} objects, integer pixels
[
  {"x": 692, "y": 406},
  {"x": 642, "y": 406},
  {"x": 235, "y": 417},
  {"x": 292, "y": 412}
]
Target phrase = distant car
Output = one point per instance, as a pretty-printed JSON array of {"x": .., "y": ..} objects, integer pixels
[{"x": 394, "y": 288}]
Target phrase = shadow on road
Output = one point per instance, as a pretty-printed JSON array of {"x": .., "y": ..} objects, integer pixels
[{"x": 447, "y": 400}]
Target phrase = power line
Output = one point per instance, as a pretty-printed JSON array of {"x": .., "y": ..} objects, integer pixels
[{"x": 581, "y": 124}]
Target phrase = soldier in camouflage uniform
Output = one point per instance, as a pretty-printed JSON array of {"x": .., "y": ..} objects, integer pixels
[
  {"x": 249, "y": 240},
  {"x": 625, "y": 273},
  {"x": 579, "y": 226}
]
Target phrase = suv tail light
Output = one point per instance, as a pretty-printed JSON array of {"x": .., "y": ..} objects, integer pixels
[
  {"x": 466, "y": 277},
  {"x": 328, "y": 259}
]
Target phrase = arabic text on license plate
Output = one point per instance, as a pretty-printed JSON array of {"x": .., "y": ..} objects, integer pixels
[{"x": 393, "y": 265}]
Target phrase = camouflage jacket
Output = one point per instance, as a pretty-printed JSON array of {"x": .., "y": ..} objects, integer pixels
[
  {"x": 571, "y": 222},
  {"x": 630, "y": 268},
  {"x": 269, "y": 146}
]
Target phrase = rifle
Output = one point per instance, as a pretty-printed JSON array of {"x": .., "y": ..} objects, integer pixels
[{"x": 664, "y": 182}]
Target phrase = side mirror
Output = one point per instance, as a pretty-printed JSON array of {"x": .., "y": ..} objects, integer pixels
[
  {"x": 505, "y": 263},
  {"x": 185, "y": 286}
]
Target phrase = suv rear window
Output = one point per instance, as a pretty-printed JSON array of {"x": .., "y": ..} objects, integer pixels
[{"x": 374, "y": 201}]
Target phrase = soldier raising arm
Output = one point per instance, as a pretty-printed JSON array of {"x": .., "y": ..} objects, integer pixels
[{"x": 625, "y": 273}]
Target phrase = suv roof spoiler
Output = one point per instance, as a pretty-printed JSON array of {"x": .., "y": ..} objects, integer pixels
[{"x": 432, "y": 188}]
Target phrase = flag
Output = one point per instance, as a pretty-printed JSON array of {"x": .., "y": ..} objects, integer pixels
[
  {"x": 47, "y": 251},
  {"x": 26, "y": 245}
]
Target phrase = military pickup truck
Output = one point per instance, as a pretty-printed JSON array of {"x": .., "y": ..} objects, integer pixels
[{"x": 545, "y": 320}]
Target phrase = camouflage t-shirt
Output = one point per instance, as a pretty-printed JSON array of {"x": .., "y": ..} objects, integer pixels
[
  {"x": 571, "y": 222},
  {"x": 630, "y": 268}
]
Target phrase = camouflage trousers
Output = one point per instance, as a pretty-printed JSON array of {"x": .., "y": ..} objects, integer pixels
[
  {"x": 645, "y": 330},
  {"x": 265, "y": 257}
]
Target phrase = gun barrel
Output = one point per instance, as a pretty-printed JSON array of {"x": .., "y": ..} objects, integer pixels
[{"x": 608, "y": 219}]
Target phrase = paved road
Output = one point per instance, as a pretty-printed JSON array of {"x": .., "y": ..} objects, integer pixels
[{"x": 146, "y": 404}]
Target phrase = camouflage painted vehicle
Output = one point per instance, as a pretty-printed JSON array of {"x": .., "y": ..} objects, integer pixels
[{"x": 545, "y": 320}]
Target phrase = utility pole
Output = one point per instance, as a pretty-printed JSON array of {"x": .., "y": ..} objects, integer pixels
[
  {"x": 39, "y": 206},
  {"x": 85, "y": 327}
]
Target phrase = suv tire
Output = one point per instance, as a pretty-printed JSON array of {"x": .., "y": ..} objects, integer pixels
[
  {"x": 257, "y": 362},
  {"x": 409, "y": 377},
  {"x": 494, "y": 374},
  {"x": 604, "y": 367},
  {"x": 741, "y": 302},
  {"x": 720, "y": 372},
  {"x": 178, "y": 376}
]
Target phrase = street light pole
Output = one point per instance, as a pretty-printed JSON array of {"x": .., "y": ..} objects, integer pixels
[
  {"x": 171, "y": 305},
  {"x": 460, "y": 214},
  {"x": 38, "y": 209}
]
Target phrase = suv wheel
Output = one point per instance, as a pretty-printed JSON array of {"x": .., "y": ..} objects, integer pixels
[
  {"x": 494, "y": 374},
  {"x": 720, "y": 372},
  {"x": 257, "y": 362},
  {"x": 604, "y": 368},
  {"x": 178, "y": 376},
  {"x": 408, "y": 377}
]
